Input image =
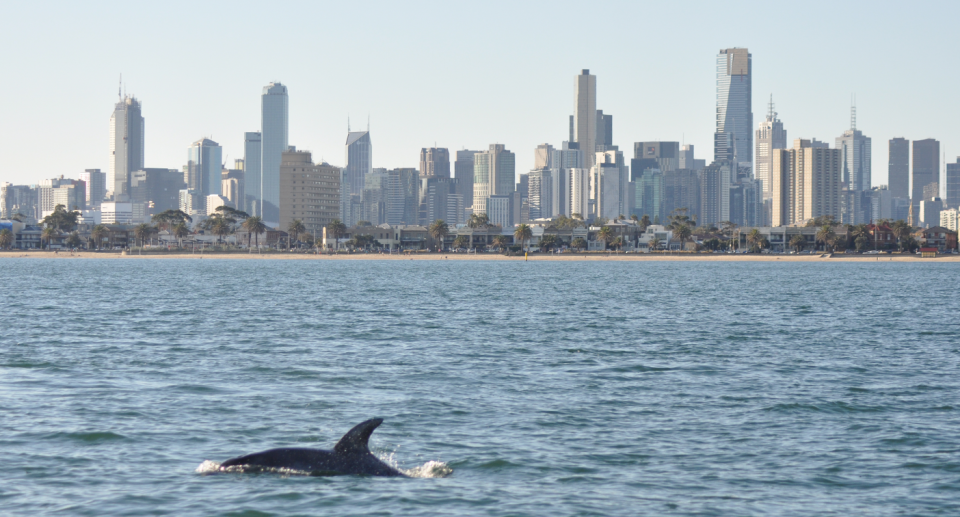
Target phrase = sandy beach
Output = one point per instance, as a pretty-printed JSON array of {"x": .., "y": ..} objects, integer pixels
[{"x": 533, "y": 257}]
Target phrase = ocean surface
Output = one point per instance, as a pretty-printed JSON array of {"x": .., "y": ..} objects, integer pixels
[{"x": 507, "y": 388}]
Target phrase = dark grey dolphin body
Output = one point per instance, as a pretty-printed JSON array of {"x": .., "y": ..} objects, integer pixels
[{"x": 349, "y": 456}]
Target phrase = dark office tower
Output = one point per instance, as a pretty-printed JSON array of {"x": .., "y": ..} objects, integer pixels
[
  {"x": 926, "y": 167},
  {"x": 463, "y": 172},
  {"x": 359, "y": 160},
  {"x": 733, "y": 139},
  {"x": 126, "y": 146},
  {"x": 898, "y": 168},
  {"x": 604, "y": 130},
  {"x": 953, "y": 184},
  {"x": 157, "y": 187},
  {"x": 435, "y": 163},
  {"x": 252, "y": 150}
]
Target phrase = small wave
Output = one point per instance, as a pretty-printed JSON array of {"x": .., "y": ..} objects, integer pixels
[
  {"x": 209, "y": 467},
  {"x": 430, "y": 469},
  {"x": 828, "y": 407}
]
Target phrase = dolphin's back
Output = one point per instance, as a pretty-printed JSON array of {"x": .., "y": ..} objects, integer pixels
[{"x": 307, "y": 460}]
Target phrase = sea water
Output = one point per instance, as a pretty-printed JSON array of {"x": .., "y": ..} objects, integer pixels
[{"x": 506, "y": 388}]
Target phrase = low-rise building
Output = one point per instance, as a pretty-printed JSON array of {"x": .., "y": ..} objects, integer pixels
[{"x": 938, "y": 237}]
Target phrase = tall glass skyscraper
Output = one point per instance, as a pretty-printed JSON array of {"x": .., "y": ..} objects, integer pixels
[
  {"x": 274, "y": 133},
  {"x": 585, "y": 116},
  {"x": 251, "y": 172},
  {"x": 733, "y": 139},
  {"x": 770, "y": 136},
  {"x": 855, "y": 174},
  {"x": 359, "y": 158},
  {"x": 126, "y": 146},
  {"x": 204, "y": 167}
]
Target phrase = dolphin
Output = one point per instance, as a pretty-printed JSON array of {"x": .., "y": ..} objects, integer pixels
[{"x": 349, "y": 456}]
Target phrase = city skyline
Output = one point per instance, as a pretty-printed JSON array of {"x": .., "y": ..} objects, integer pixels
[{"x": 537, "y": 103}]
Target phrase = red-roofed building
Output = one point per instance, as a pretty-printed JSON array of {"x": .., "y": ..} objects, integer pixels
[
  {"x": 882, "y": 236},
  {"x": 938, "y": 237}
]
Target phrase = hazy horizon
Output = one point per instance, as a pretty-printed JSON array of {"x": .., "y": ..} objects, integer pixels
[{"x": 462, "y": 75}]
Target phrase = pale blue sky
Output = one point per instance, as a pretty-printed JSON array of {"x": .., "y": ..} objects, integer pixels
[{"x": 461, "y": 74}]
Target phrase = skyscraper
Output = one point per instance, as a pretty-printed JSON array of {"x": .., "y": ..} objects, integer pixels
[
  {"x": 806, "y": 183},
  {"x": 898, "y": 168},
  {"x": 855, "y": 173},
  {"x": 204, "y": 167},
  {"x": 585, "y": 116},
  {"x": 926, "y": 167},
  {"x": 733, "y": 139},
  {"x": 494, "y": 173},
  {"x": 770, "y": 136},
  {"x": 251, "y": 173},
  {"x": 359, "y": 160},
  {"x": 274, "y": 135},
  {"x": 316, "y": 205},
  {"x": 157, "y": 187},
  {"x": 604, "y": 130},
  {"x": 96, "y": 186},
  {"x": 126, "y": 146},
  {"x": 463, "y": 171},
  {"x": 666, "y": 154},
  {"x": 953, "y": 184},
  {"x": 435, "y": 162}
]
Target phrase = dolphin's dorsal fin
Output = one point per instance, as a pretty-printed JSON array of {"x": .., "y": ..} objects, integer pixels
[{"x": 355, "y": 441}]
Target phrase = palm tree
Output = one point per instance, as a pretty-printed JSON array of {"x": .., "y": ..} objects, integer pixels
[
  {"x": 6, "y": 238},
  {"x": 97, "y": 234},
  {"x": 900, "y": 230},
  {"x": 635, "y": 219},
  {"x": 477, "y": 221},
  {"x": 439, "y": 230},
  {"x": 336, "y": 229},
  {"x": 548, "y": 241},
  {"x": 753, "y": 239},
  {"x": 654, "y": 243},
  {"x": 462, "y": 241},
  {"x": 47, "y": 235},
  {"x": 523, "y": 233},
  {"x": 578, "y": 243},
  {"x": 499, "y": 242},
  {"x": 73, "y": 240},
  {"x": 141, "y": 231},
  {"x": 797, "y": 241},
  {"x": 606, "y": 235},
  {"x": 826, "y": 236},
  {"x": 617, "y": 243},
  {"x": 295, "y": 228},
  {"x": 256, "y": 226},
  {"x": 180, "y": 231},
  {"x": 220, "y": 227},
  {"x": 644, "y": 222},
  {"x": 683, "y": 232}
]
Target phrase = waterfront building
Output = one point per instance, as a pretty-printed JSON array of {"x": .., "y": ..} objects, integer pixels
[
  {"x": 898, "y": 168},
  {"x": 274, "y": 138},
  {"x": 855, "y": 173},
  {"x": 252, "y": 149},
  {"x": 96, "y": 182},
  {"x": 157, "y": 188},
  {"x": 806, "y": 183},
  {"x": 494, "y": 173},
  {"x": 126, "y": 146},
  {"x": 309, "y": 192},
  {"x": 733, "y": 139},
  {"x": 435, "y": 163},
  {"x": 953, "y": 184},
  {"x": 204, "y": 167},
  {"x": 771, "y": 135},
  {"x": 926, "y": 168},
  {"x": 585, "y": 116}
]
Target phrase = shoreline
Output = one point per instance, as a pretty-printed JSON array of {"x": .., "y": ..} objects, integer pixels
[{"x": 534, "y": 257}]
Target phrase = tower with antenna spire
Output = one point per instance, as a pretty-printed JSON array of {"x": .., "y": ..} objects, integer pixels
[
  {"x": 855, "y": 172},
  {"x": 126, "y": 144},
  {"x": 769, "y": 136}
]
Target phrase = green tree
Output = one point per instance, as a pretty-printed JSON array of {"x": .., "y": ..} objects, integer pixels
[
  {"x": 823, "y": 220},
  {"x": 910, "y": 244},
  {"x": 74, "y": 240},
  {"x": 439, "y": 230},
  {"x": 605, "y": 235},
  {"x": 753, "y": 239},
  {"x": 47, "y": 235},
  {"x": 644, "y": 222},
  {"x": 180, "y": 230},
  {"x": 6, "y": 238},
  {"x": 295, "y": 228},
  {"x": 500, "y": 242},
  {"x": 141, "y": 231},
  {"x": 682, "y": 232},
  {"x": 476, "y": 222},
  {"x": 549, "y": 241},
  {"x": 861, "y": 243},
  {"x": 522, "y": 233},
  {"x": 901, "y": 230},
  {"x": 256, "y": 226},
  {"x": 797, "y": 241},
  {"x": 336, "y": 229},
  {"x": 654, "y": 243},
  {"x": 578, "y": 244},
  {"x": 462, "y": 241},
  {"x": 61, "y": 219},
  {"x": 826, "y": 236},
  {"x": 220, "y": 227},
  {"x": 98, "y": 233},
  {"x": 617, "y": 243}
]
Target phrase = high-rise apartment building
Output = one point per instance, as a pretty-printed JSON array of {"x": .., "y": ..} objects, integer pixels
[
  {"x": 578, "y": 192},
  {"x": 898, "y": 168},
  {"x": 19, "y": 200},
  {"x": 855, "y": 174},
  {"x": 96, "y": 182},
  {"x": 539, "y": 193},
  {"x": 733, "y": 139},
  {"x": 543, "y": 157},
  {"x": 204, "y": 167},
  {"x": 358, "y": 159},
  {"x": 232, "y": 185},
  {"x": 563, "y": 159},
  {"x": 806, "y": 183},
  {"x": 953, "y": 184},
  {"x": 463, "y": 171},
  {"x": 309, "y": 192},
  {"x": 770, "y": 136},
  {"x": 715, "y": 193},
  {"x": 274, "y": 137},
  {"x": 435, "y": 162},
  {"x": 585, "y": 116},
  {"x": 252, "y": 149},
  {"x": 608, "y": 185},
  {"x": 494, "y": 173},
  {"x": 926, "y": 167},
  {"x": 126, "y": 146}
]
